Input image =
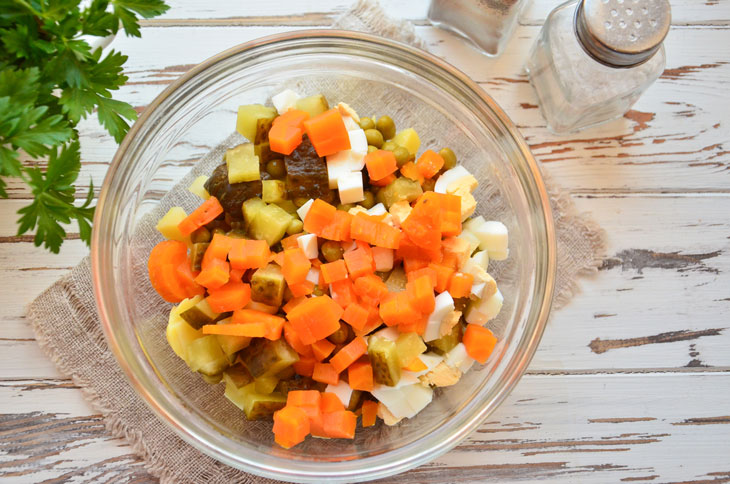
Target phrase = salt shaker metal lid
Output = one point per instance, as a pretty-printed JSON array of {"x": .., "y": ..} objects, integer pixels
[{"x": 622, "y": 33}]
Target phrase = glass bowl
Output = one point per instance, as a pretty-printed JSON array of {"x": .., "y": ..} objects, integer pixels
[{"x": 375, "y": 76}]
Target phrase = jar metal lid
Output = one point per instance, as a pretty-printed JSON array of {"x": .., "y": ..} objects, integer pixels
[{"x": 622, "y": 33}]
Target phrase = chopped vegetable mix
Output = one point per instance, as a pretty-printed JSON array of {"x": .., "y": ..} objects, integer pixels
[{"x": 331, "y": 272}]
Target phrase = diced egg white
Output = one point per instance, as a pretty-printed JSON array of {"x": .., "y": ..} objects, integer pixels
[
  {"x": 467, "y": 235},
  {"x": 418, "y": 397},
  {"x": 304, "y": 209},
  {"x": 477, "y": 289},
  {"x": 378, "y": 209},
  {"x": 473, "y": 223},
  {"x": 479, "y": 312},
  {"x": 457, "y": 357},
  {"x": 431, "y": 360},
  {"x": 313, "y": 276},
  {"x": 308, "y": 244},
  {"x": 358, "y": 141},
  {"x": 342, "y": 163},
  {"x": 493, "y": 237},
  {"x": 404, "y": 402},
  {"x": 481, "y": 258},
  {"x": 383, "y": 259},
  {"x": 407, "y": 378},
  {"x": 350, "y": 187},
  {"x": 284, "y": 100},
  {"x": 350, "y": 123},
  {"x": 444, "y": 305},
  {"x": 342, "y": 390},
  {"x": 450, "y": 176},
  {"x": 387, "y": 333}
]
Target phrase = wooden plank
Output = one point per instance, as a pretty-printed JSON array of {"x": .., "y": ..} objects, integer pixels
[
  {"x": 674, "y": 139},
  {"x": 660, "y": 278},
  {"x": 231, "y": 12},
  {"x": 550, "y": 429}
]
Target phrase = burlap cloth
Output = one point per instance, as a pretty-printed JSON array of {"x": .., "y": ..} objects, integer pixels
[{"x": 66, "y": 324}]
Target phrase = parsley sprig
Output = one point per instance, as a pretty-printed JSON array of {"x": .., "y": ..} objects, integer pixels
[{"x": 50, "y": 79}]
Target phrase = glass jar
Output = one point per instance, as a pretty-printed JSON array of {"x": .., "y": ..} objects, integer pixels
[
  {"x": 594, "y": 58},
  {"x": 486, "y": 23}
]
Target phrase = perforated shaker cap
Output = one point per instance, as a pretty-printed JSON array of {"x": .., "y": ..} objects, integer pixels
[{"x": 622, "y": 33}]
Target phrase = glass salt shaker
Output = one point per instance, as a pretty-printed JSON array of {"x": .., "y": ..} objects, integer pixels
[
  {"x": 486, "y": 23},
  {"x": 594, "y": 58}
]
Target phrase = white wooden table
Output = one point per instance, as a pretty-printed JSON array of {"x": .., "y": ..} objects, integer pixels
[{"x": 632, "y": 379}]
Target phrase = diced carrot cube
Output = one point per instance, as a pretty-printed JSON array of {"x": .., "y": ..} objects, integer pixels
[
  {"x": 316, "y": 318},
  {"x": 369, "y": 413},
  {"x": 322, "y": 349},
  {"x": 429, "y": 163},
  {"x": 291, "y": 426},
  {"x": 359, "y": 262},
  {"x": 460, "y": 285},
  {"x": 340, "y": 424},
  {"x": 327, "y": 132},
  {"x": 334, "y": 271},
  {"x": 380, "y": 163},
  {"x": 356, "y": 316},
  {"x": 360, "y": 376},
  {"x": 325, "y": 373},
  {"x": 347, "y": 355},
  {"x": 479, "y": 342}
]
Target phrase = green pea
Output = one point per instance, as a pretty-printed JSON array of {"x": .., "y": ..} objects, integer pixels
[
  {"x": 369, "y": 201},
  {"x": 345, "y": 207},
  {"x": 367, "y": 123},
  {"x": 401, "y": 155},
  {"x": 389, "y": 146},
  {"x": 386, "y": 126},
  {"x": 428, "y": 185},
  {"x": 331, "y": 251},
  {"x": 276, "y": 168},
  {"x": 374, "y": 137},
  {"x": 449, "y": 158},
  {"x": 200, "y": 235},
  {"x": 371, "y": 149},
  {"x": 340, "y": 336}
]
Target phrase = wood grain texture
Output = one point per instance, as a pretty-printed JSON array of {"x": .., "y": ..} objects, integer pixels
[{"x": 631, "y": 380}]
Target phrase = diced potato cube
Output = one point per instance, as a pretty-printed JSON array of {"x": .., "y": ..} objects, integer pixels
[
  {"x": 408, "y": 138},
  {"x": 167, "y": 225},
  {"x": 247, "y": 123},
  {"x": 243, "y": 164},
  {"x": 274, "y": 191},
  {"x": 314, "y": 105},
  {"x": 198, "y": 187}
]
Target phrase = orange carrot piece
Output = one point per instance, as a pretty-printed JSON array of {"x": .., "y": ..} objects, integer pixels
[
  {"x": 443, "y": 276},
  {"x": 371, "y": 289},
  {"x": 460, "y": 285},
  {"x": 243, "y": 316},
  {"x": 205, "y": 213},
  {"x": 397, "y": 310},
  {"x": 236, "y": 275},
  {"x": 380, "y": 163},
  {"x": 334, "y": 271},
  {"x": 339, "y": 228},
  {"x": 319, "y": 216},
  {"x": 307, "y": 400},
  {"x": 302, "y": 289},
  {"x": 327, "y": 132},
  {"x": 220, "y": 246},
  {"x": 412, "y": 264},
  {"x": 295, "y": 266},
  {"x": 347, "y": 355},
  {"x": 420, "y": 294},
  {"x": 423, "y": 225},
  {"x": 359, "y": 262},
  {"x": 316, "y": 318},
  {"x": 479, "y": 342},
  {"x": 343, "y": 292},
  {"x": 291, "y": 426},
  {"x": 416, "y": 365},
  {"x": 369, "y": 413},
  {"x": 305, "y": 366},
  {"x": 414, "y": 325},
  {"x": 356, "y": 316},
  {"x": 450, "y": 215},
  {"x": 162, "y": 266},
  {"x": 293, "y": 117},
  {"x": 424, "y": 271},
  {"x": 284, "y": 139},
  {"x": 329, "y": 402},
  {"x": 294, "y": 302},
  {"x": 251, "y": 330},
  {"x": 429, "y": 163},
  {"x": 325, "y": 373},
  {"x": 340, "y": 424},
  {"x": 290, "y": 242},
  {"x": 322, "y": 349},
  {"x": 409, "y": 170},
  {"x": 278, "y": 258},
  {"x": 214, "y": 274},
  {"x": 360, "y": 375},
  {"x": 292, "y": 337},
  {"x": 383, "y": 181},
  {"x": 231, "y": 296},
  {"x": 248, "y": 254},
  {"x": 408, "y": 249}
]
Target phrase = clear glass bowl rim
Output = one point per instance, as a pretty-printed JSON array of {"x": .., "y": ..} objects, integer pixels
[{"x": 388, "y": 463}]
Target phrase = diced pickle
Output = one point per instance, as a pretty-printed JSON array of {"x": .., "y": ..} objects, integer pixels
[
  {"x": 397, "y": 280},
  {"x": 286, "y": 373},
  {"x": 314, "y": 105},
  {"x": 267, "y": 285},
  {"x": 306, "y": 174},
  {"x": 249, "y": 116},
  {"x": 264, "y": 357},
  {"x": 384, "y": 359},
  {"x": 263, "y": 151},
  {"x": 197, "y": 251},
  {"x": 355, "y": 400},
  {"x": 270, "y": 224},
  {"x": 447, "y": 342},
  {"x": 255, "y": 405},
  {"x": 231, "y": 196},
  {"x": 206, "y": 356},
  {"x": 266, "y": 384},
  {"x": 237, "y": 375},
  {"x": 409, "y": 346},
  {"x": 232, "y": 344},
  {"x": 273, "y": 191},
  {"x": 199, "y": 314},
  {"x": 402, "y": 188},
  {"x": 263, "y": 125},
  {"x": 179, "y": 333}
]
